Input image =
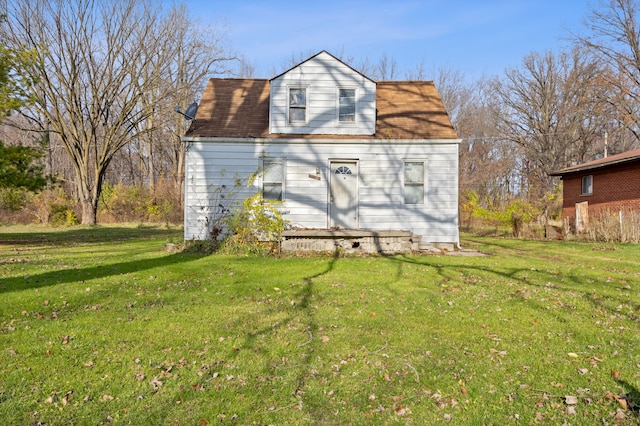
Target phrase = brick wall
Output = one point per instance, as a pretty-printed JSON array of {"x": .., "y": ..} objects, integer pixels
[{"x": 614, "y": 188}]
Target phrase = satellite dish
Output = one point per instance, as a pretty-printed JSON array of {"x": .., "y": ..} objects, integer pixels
[{"x": 190, "y": 113}]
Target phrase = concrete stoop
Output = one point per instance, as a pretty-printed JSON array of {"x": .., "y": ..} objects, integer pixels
[
  {"x": 359, "y": 241},
  {"x": 349, "y": 241}
]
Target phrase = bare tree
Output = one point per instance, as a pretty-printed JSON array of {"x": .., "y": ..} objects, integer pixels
[
  {"x": 104, "y": 69},
  {"x": 198, "y": 53},
  {"x": 89, "y": 64},
  {"x": 550, "y": 108},
  {"x": 614, "y": 38}
]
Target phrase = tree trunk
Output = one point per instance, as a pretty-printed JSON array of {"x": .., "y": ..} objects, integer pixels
[{"x": 89, "y": 212}]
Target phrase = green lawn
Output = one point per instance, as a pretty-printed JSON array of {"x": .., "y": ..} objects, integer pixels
[{"x": 102, "y": 325}]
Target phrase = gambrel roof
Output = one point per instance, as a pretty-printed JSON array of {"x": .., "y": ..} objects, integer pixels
[{"x": 239, "y": 108}]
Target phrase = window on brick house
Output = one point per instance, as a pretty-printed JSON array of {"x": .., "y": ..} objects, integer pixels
[{"x": 587, "y": 185}]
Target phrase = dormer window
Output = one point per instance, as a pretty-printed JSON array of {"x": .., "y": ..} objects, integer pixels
[
  {"x": 297, "y": 105},
  {"x": 347, "y": 105}
]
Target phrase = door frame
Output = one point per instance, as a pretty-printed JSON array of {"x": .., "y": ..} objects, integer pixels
[{"x": 356, "y": 166}]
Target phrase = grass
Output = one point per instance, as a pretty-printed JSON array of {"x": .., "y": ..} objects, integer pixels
[{"x": 101, "y": 325}]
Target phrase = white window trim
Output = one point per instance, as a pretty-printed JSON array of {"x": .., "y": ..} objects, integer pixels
[
  {"x": 283, "y": 160},
  {"x": 424, "y": 180},
  {"x": 353, "y": 123},
  {"x": 582, "y": 191},
  {"x": 306, "y": 106}
]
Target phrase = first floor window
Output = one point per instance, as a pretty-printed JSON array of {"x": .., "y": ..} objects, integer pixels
[
  {"x": 414, "y": 182},
  {"x": 587, "y": 185},
  {"x": 297, "y": 105},
  {"x": 273, "y": 179}
]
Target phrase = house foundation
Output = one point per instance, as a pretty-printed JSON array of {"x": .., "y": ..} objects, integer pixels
[{"x": 351, "y": 241}]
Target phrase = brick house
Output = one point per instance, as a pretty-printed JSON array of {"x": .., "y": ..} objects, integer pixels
[{"x": 607, "y": 185}]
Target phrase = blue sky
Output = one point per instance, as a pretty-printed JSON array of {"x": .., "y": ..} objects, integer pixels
[{"x": 472, "y": 37}]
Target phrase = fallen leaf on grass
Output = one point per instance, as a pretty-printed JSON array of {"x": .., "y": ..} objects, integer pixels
[
  {"x": 325, "y": 339},
  {"x": 583, "y": 371},
  {"x": 155, "y": 383},
  {"x": 615, "y": 374},
  {"x": 107, "y": 397},
  {"x": 65, "y": 399},
  {"x": 622, "y": 400},
  {"x": 572, "y": 355},
  {"x": 401, "y": 410},
  {"x": 88, "y": 364},
  {"x": 570, "y": 400}
]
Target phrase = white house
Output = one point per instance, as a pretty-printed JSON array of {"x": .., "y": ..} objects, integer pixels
[{"x": 340, "y": 150}]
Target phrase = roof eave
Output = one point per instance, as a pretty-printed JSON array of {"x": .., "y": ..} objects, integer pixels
[
  {"x": 585, "y": 167},
  {"x": 295, "y": 139}
]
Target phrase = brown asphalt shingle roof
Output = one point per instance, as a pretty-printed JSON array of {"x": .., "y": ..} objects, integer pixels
[
  {"x": 239, "y": 108},
  {"x": 633, "y": 155}
]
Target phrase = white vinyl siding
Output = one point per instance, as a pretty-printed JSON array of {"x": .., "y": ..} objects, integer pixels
[
  {"x": 381, "y": 191},
  {"x": 322, "y": 116}
]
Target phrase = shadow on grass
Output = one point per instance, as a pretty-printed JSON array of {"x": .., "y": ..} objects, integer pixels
[
  {"x": 82, "y": 274},
  {"x": 631, "y": 395},
  {"x": 82, "y": 234},
  {"x": 580, "y": 281},
  {"x": 302, "y": 310},
  {"x": 88, "y": 235}
]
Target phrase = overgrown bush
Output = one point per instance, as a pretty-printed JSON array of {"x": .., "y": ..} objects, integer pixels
[
  {"x": 257, "y": 223},
  {"x": 12, "y": 205},
  {"x": 125, "y": 203},
  {"x": 516, "y": 215},
  {"x": 54, "y": 207},
  {"x": 13, "y": 199}
]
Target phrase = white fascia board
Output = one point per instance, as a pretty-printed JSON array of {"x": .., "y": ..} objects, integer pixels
[{"x": 319, "y": 140}]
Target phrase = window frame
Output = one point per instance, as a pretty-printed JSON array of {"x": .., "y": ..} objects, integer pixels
[
  {"x": 304, "y": 108},
  {"x": 586, "y": 187},
  {"x": 413, "y": 184},
  {"x": 265, "y": 163},
  {"x": 355, "y": 106}
]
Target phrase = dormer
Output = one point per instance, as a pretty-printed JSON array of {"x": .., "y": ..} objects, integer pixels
[{"x": 322, "y": 96}]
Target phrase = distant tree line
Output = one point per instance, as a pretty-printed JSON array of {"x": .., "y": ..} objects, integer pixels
[{"x": 99, "y": 80}]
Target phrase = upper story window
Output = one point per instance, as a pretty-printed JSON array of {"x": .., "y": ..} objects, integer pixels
[
  {"x": 297, "y": 105},
  {"x": 347, "y": 105},
  {"x": 587, "y": 185}
]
